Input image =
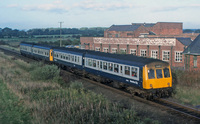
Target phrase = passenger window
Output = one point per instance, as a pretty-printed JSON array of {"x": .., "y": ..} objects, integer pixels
[
  {"x": 75, "y": 58},
  {"x": 89, "y": 62},
  {"x": 63, "y": 56},
  {"x": 94, "y": 63},
  {"x": 134, "y": 72},
  {"x": 105, "y": 65},
  {"x": 151, "y": 74},
  {"x": 159, "y": 73},
  {"x": 101, "y": 65},
  {"x": 69, "y": 57},
  {"x": 116, "y": 68},
  {"x": 72, "y": 58},
  {"x": 110, "y": 65},
  {"x": 127, "y": 70},
  {"x": 166, "y": 72},
  {"x": 98, "y": 64},
  {"x": 78, "y": 59},
  {"x": 121, "y": 69}
]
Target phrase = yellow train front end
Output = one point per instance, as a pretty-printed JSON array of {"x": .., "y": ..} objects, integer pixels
[{"x": 157, "y": 78}]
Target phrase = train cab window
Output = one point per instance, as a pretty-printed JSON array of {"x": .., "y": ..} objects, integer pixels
[
  {"x": 159, "y": 73},
  {"x": 105, "y": 65},
  {"x": 151, "y": 74},
  {"x": 101, "y": 65},
  {"x": 134, "y": 72},
  {"x": 127, "y": 70},
  {"x": 94, "y": 63},
  {"x": 110, "y": 66},
  {"x": 166, "y": 72},
  {"x": 116, "y": 68}
]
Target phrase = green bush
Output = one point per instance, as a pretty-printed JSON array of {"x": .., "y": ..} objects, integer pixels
[
  {"x": 76, "y": 85},
  {"x": 46, "y": 72}
]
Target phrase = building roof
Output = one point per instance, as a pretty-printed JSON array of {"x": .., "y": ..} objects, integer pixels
[
  {"x": 185, "y": 41},
  {"x": 123, "y": 27},
  {"x": 194, "y": 47},
  {"x": 145, "y": 24}
]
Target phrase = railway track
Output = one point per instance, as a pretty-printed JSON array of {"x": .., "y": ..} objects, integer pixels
[{"x": 170, "y": 106}]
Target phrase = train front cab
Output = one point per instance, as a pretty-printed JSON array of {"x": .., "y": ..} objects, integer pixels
[{"x": 157, "y": 76}]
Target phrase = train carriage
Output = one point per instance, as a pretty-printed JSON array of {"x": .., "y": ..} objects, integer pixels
[
  {"x": 26, "y": 49},
  {"x": 69, "y": 57},
  {"x": 114, "y": 67},
  {"x": 150, "y": 75},
  {"x": 42, "y": 52}
]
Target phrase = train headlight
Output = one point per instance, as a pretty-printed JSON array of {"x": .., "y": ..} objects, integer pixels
[
  {"x": 151, "y": 85},
  {"x": 168, "y": 84}
]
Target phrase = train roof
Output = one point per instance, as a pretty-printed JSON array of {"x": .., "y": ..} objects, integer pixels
[
  {"x": 71, "y": 50},
  {"x": 26, "y": 44},
  {"x": 42, "y": 46},
  {"x": 122, "y": 58},
  {"x": 119, "y": 58}
]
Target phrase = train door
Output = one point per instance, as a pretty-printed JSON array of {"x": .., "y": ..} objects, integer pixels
[
  {"x": 51, "y": 55},
  {"x": 98, "y": 65},
  {"x": 121, "y": 70}
]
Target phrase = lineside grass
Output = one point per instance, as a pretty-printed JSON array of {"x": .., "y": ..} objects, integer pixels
[
  {"x": 41, "y": 99},
  {"x": 12, "y": 110},
  {"x": 187, "y": 86}
]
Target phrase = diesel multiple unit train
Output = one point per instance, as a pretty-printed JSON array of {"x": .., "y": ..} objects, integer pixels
[{"x": 144, "y": 76}]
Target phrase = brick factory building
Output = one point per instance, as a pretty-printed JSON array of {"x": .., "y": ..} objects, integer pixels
[
  {"x": 163, "y": 40},
  {"x": 192, "y": 55}
]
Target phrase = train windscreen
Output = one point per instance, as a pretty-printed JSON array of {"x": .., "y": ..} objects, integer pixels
[{"x": 159, "y": 73}]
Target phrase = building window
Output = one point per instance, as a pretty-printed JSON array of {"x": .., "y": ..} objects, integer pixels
[
  {"x": 195, "y": 61},
  {"x": 165, "y": 55},
  {"x": 105, "y": 50},
  {"x": 178, "y": 56},
  {"x": 129, "y": 34},
  {"x": 154, "y": 54},
  {"x": 133, "y": 51},
  {"x": 110, "y": 35},
  {"x": 116, "y": 35},
  {"x": 97, "y": 48},
  {"x": 114, "y": 50},
  {"x": 143, "y": 53},
  {"x": 123, "y": 51}
]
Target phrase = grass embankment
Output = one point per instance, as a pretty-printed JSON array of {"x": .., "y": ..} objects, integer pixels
[
  {"x": 33, "y": 94},
  {"x": 11, "y": 108},
  {"x": 187, "y": 87}
]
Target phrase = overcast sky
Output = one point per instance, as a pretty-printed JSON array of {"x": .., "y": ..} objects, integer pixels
[{"x": 26, "y": 14}]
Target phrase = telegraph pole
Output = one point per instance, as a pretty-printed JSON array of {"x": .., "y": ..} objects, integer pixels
[{"x": 60, "y": 33}]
